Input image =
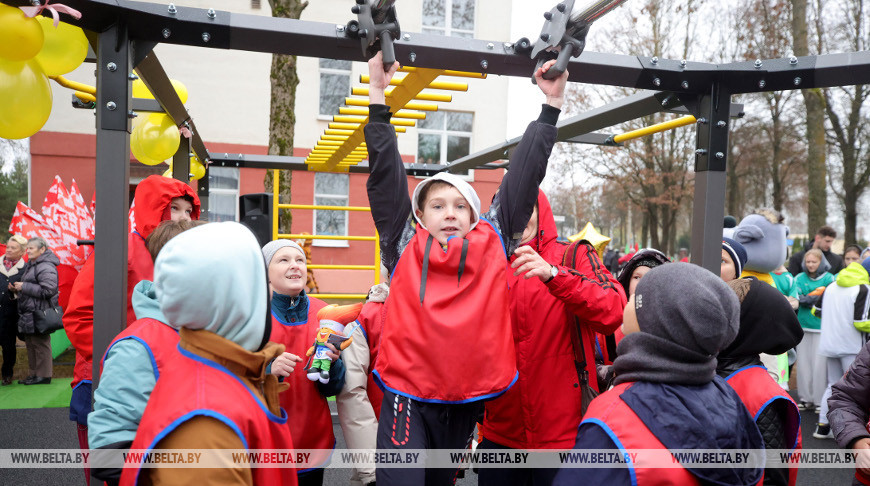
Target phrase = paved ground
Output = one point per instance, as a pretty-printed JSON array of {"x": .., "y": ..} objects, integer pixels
[{"x": 50, "y": 427}]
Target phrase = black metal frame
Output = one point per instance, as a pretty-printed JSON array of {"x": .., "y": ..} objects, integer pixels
[{"x": 129, "y": 30}]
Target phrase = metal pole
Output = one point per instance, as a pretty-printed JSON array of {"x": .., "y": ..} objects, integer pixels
[
  {"x": 711, "y": 151},
  {"x": 112, "y": 188},
  {"x": 202, "y": 186},
  {"x": 181, "y": 161}
]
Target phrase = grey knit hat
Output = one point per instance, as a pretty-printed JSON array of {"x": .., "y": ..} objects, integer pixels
[
  {"x": 687, "y": 305},
  {"x": 273, "y": 246}
]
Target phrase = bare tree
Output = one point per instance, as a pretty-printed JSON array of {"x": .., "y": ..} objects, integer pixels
[{"x": 282, "y": 117}]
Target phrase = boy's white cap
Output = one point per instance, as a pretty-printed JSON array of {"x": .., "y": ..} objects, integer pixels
[
  {"x": 463, "y": 187},
  {"x": 335, "y": 326}
]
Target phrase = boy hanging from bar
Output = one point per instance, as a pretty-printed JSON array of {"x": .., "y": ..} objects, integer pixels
[{"x": 447, "y": 345}]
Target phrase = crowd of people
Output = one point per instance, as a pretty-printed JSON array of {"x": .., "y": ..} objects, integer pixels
[{"x": 484, "y": 321}]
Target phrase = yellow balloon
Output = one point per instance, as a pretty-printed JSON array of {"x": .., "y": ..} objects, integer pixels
[
  {"x": 65, "y": 47},
  {"x": 197, "y": 169},
  {"x": 25, "y": 98},
  {"x": 160, "y": 137},
  {"x": 142, "y": 91},
  {"x": 21, "y": 38},
  {"x": 168, "y": 172},
  {"x": 136, "y": 143}
]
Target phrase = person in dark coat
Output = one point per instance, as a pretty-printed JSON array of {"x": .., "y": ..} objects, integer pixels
[
  {"x": 767, "y": 325},
  {"x": 37, "y": 291},
  {"x": 10, "y": 272},
  {"x": 849, "y": 411},
  {"x": 823, "y": 240}
]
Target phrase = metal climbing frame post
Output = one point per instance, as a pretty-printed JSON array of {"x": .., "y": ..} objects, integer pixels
[{"x": 276, "y": 207}]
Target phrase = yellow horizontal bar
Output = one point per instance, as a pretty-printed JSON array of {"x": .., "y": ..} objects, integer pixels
[
  {"x": 339, "y": 296},
  {"x": 344, "y": 126},
  {"x": 327, "y": 237},
  {"x": 658, "y": 127},
  {"x": 342, "y": 267},
  {"x": 444, "y": 98},
  {"x": 348, "y": 110},
  {"x": 401, "y": 123},
  {"x": 335, "y": 208},
  {"x": 330, "y": 131},
  {"x": 413, "y": 105},
  {"x": 86, "y": 97},
  {"x": 68, "y": 83},
  {"x": 333, "y": 137},
  {"x": 457, "y": 74},
  {"x": 331, "y": 143},
  {"x": 445, "y": 85},
  {"x": 348, "y": 119}
]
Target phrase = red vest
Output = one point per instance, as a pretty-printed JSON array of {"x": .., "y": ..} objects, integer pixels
[
  {"x": 310, "y": 420},
  {"x": 196, "y": 386},
  {"x": 160, "y": 340},
  {"x": 628, "y": 432},
  {"x": 758, "y": 390},
  {"x": 371, "y": 321},
  {"x": 447, "y": 336}
]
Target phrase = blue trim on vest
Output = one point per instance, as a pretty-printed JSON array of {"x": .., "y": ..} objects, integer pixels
[
  {"x": 143, "y": 343},
  {"x": 323, "y": 464},
  {"x": 765, "y": 404},
  {"x": 744, "y": 369},
  {"x": 498, "y": 233},
  {"x": 200, "y": 412},
  {"x": 489, "y": 396},
  {"x": 363, "y": 329},
  {"x": 89, "y": 382},
  {"x": 271, "y": 416},
  {"x": 615, "y": 439},
  {"x": 291, "y": 324}
]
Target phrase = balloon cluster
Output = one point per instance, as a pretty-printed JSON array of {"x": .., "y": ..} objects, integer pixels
[
  {"x": 31, "y": 50},
  {"x": 155, "y": 137}
]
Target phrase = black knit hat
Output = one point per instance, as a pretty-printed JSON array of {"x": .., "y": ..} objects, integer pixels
[{"x": 646, "y": 257}]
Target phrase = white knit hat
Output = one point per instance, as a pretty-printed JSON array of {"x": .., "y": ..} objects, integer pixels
[{"x": 463, "y": 187}]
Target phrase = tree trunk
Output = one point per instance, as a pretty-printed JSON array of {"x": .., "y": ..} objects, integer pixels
[
  {"x": 817, "y": 202},
  {"x": 282, "y": 117},
  {"x": 850, "y": 215}
]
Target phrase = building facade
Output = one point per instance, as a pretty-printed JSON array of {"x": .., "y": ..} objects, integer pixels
[{"x": 229, "y": 96}]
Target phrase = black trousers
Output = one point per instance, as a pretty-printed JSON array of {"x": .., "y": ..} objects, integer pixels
[
  {"x": 408, "y": 424},
  {"x": 512, "y": 477},
  {"x": 310, "y": 478},
  {"x": 8, "y": 330}
]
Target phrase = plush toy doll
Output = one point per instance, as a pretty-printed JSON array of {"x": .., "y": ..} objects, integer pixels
[
  {"x": 764, "y": 235},
  {"x": 333, "y": 319}
]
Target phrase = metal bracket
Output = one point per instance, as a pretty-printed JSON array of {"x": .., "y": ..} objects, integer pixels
[{"x": 376, "y": 27}]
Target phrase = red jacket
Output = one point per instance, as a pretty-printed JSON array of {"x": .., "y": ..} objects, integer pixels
[
  {"x": 543, "y": 409},
  {"x": 371, "y": 319},
  {"x": 150, "y": 207}
]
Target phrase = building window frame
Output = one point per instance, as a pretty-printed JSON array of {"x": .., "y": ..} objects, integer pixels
[
  {"x": 341, "y": 200},
  {"x": 444, "y": 135},
  {"x": 332, "y": 71},
  {"x": 447, "y": 29},
  {"x": 224, "y": 191}
]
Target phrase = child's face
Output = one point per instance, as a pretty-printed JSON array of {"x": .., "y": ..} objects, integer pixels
[
  {"x": 288, "y": 272},
  {"x": 851, "y": 257},
  {"x": 812, "y": 262},
  {"x": 180, "y": 209},
  {"x": 531, "y": 228},
  {"x": 629, "y": 316},
  {"x": 446, "y": 213},
  {"x": 636, "y": 275},
  {"x": 727, "y": 271}
]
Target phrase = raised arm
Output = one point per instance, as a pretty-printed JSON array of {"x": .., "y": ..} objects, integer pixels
[
  {"x": 387, "y": 184},
  {"x": 513, "y": 203}
]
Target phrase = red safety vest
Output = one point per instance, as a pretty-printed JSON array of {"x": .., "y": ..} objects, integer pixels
[
  {"x": 371, "y": 319},
  {"x": 310, "y": 419},
  {"x": 628, "y": 431},
  {"x": 758, "y": 390},
  {"x": 160, "y": 340},
  {"x": 447, "y": 337},
  {"x": 196, "y": 386}
]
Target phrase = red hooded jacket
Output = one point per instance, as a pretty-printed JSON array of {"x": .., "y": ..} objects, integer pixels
[
  {"x": 150, "y": 207},
  {"x": 542, "y": 410}
]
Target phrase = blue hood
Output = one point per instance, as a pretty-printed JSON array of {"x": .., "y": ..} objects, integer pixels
[
  {"x": 682, "y": 417},
  {"x": 212, "y": 277},
  {"x": 145, "y": 303}
]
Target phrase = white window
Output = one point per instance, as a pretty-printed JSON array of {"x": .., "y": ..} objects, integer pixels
[
  {"x": 223, "y": 194},
  {"x": 449, "y": 17},
  {"x": 330, "y": 190},
  {"x": 443, "y": 137},
  {"x": 334, "y": 85}
]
